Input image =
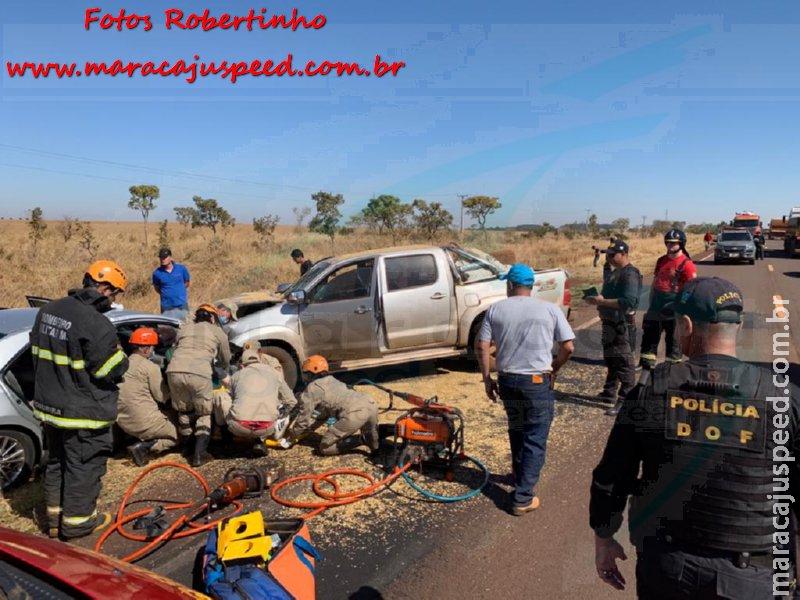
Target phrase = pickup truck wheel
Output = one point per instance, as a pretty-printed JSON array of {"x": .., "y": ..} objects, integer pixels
[
  {"x": 291, "y": 372},
  {"x": 17, "y": 456}
]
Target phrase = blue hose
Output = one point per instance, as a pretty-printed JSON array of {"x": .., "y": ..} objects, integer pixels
[{"x": 466, "y": 496}]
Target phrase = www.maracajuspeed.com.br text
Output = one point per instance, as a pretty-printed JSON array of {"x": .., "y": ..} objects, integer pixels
[{"x": 191, "y": 70}]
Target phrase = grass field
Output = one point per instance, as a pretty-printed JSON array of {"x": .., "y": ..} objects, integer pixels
[{"x": 235, "y": 261}]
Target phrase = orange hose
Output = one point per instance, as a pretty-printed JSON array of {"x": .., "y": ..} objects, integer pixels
[
  {"x": 172, "y": 531},
  {"x": 335, "y": 498}
]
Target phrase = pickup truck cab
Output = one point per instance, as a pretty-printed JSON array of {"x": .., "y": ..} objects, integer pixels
[{"x": 382, "y": 307}]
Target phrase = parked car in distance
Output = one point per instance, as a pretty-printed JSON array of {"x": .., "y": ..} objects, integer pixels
[
  {"x": 21, "y": 439},
  {"x": 382, "y": 307},
  {"x": 735, "y": 245}
]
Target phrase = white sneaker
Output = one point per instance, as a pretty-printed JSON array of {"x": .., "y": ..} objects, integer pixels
[{"x": 280, "y": 427}]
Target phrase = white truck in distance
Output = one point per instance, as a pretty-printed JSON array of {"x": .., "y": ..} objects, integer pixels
[{"x": 382, "y": 307}]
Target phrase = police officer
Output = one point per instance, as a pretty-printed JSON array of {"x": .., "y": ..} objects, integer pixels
[
  {"x": 704, "y": 435},
  {"x": 77, "y": 363},
  {"x": 672, "y": 271},
  {"x": 189, "y": 375},
  {"x": 325, "y": 397},
  {"x": 616, "y": 305}
]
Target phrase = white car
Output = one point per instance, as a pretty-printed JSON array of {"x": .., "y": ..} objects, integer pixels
[{"x": 21, "y": 438}]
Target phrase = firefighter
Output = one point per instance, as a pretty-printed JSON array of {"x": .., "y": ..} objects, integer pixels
[
  {"x": 142, "y": 394},
  {"x": 672, "y": 271},
  {"x": 259, "y": 402},
  {"x": 189, "y": 375},
  {"x": 77, "y": 363},
  {"x": 325, "y": 397},
  {"x": 693, "y": 448}
]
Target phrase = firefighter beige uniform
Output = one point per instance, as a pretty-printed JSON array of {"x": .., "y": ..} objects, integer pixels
[
  {"x": 141, "y": 394},
  {"x": 253, "y": 406},
  {"x": 353, "y": 410},
  {"x": 189, "y": 375}
]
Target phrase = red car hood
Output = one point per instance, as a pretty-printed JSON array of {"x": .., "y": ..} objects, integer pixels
[{"x": 96, "y": 575}]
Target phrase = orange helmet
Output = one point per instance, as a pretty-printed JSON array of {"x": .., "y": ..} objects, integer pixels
[
  {"x": 106, "y": 271},
  {"x": 315, "y": 364},
  {"x": 209, "y": 308},
  {"x": 144, "y": 336}
]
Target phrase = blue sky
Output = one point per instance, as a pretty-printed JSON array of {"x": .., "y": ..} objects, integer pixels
[{"x": 688, "y": 110}]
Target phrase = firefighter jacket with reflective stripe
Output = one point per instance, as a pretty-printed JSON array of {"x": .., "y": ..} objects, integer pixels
[
  {"x": 142, "y": 390},
  {"x": 257, "y": 392},
  {"x": 330, "y": 398},
  {"x": 704, "y": 435},
  {"x": 198, "y": 345},
  {"x": 77, "y": 362}
]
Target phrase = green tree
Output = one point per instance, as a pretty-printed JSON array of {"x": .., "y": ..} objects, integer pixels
[
  {"x": 184, "y": 214},
  {"x": 143, "y": 198},
  {"x": 388, "y": 213},
  {"x": 430, "y": 219},
  {"x": 480, "y": 207},
  {"x": 326, "y": 220},
  {"x": 621, "y": 225},
  {"x": 36, "y": 226},
  {"x": 265, "y": 228},
  {"x": 208, "y": 213}
]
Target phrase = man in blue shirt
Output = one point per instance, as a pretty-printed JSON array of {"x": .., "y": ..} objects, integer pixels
[{"x": 171, "y": 281}]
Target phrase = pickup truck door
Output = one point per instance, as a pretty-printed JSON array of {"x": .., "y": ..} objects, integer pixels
[
  {"x": 339, "y": 321},
  {"x": 418, "y": 301}
]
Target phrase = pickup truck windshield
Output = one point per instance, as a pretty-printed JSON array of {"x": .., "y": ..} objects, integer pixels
[
  {"x": 474, "y": 265},
  {"x": 305, "y": 279},
  {"x": 739, "y": 236}
]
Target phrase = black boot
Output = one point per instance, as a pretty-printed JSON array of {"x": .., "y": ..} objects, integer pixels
[
  {"x": 614, "y": 410},
  {"x": 259, "y": 449},
  {"x": 200, "y": 455},
  {"x": 140, "y": 452}
]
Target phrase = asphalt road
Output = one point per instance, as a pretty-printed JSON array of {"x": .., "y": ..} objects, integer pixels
[
  {"x": 478, "y": 550},
  {"x": 550, "y": 553}
]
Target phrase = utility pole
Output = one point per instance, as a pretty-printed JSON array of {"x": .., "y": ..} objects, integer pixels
[
  {"x": 644, "y": 218},
  {"x": 461, "y": 228}
]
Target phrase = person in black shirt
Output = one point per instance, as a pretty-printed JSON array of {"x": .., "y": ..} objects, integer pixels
[
  {"x": 707, "y": 449},
  {"x": 300, "y": 259},
  {"x": 616, "y": 305}
]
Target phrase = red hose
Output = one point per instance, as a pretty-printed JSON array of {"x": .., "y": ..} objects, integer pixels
[
  {"x": 335, "y": 498},
  {"x": 192, "y": 511}
]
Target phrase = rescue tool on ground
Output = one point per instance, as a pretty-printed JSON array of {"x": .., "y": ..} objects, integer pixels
[{"x": 237, "y": 484}]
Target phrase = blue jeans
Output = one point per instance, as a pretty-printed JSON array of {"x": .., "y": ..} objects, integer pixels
[
  {"x": 177, "y": 312},
  {"x": 529, "y": 407}
]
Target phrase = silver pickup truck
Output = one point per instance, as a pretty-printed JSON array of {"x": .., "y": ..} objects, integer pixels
[{"x": 382, "y": 307}]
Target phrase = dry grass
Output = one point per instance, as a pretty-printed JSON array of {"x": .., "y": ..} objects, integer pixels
[{"x": 234, "y": 262}]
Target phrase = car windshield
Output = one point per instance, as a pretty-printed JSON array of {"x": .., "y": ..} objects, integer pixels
[
  {"x": 14, "y": 319},
  {"x": 738, "y": 236},
  {"x": 309, "y": 276}
]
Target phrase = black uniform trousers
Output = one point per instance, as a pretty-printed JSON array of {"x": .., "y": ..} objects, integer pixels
[
  {"x": 664, "y": 572},
  {"x": 616, "y": 338},
  {"x": 651, "y": 336},
  {"x": 76, "y": 463}
]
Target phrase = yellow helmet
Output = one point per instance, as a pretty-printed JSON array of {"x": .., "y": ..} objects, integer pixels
[
  {"x": 106, "y": 271},
  {"x": 315, "y": 364}
]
